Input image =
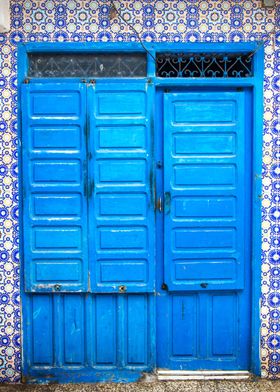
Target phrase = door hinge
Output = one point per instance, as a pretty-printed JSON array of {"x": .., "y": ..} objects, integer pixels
[
  {"x": 167, "y": 199},
  {"x": 91, "y": 188},
  {"x": 26, "y": 81},
  {"x": 164, "y": 286},
  {"x": 86, "y": 188}
]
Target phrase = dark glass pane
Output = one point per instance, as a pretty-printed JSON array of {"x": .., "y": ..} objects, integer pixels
[
  {"x": 54, "y": 65},
  {"x": 174, "y": 65}
]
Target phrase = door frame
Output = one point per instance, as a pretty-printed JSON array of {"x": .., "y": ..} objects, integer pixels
[{"x": 255, "y": 83}]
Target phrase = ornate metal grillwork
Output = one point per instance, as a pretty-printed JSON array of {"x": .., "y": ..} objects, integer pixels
[
  {"x": 182, "y": 65},
  {"x": 53, "y": 65}
]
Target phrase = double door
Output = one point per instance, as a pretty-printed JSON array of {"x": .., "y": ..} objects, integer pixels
[{"x": 136, "y": 228}]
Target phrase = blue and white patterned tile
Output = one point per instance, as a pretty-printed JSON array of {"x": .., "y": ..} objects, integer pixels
[{"x": 159, "y": 20}]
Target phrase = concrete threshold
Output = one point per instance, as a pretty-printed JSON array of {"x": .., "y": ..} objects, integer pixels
[{"x": 183, "y": 375}]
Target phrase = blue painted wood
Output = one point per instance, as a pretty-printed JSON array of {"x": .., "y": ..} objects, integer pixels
[
  {"x": 95, "y": 335},
  {"x": 205, "y": 216},
  {"x": 193, "y": 47},
  {"x": 204, "y": 330},
  {"x": 88, "y": 371},
  {"x": 184, "y": 325},
  {"x": 121, "y": 205},
  {"x": 74, "y": 334},
  {"x": 42, "y": 333},
  {"x": 207, "y": 230},
  {"x": 61, "y": 141},
  {"x": 54, "y": 180}
]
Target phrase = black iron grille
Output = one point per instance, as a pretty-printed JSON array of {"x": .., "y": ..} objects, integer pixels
[
  {"x": 181, "y": 65},
  {"x": 109, "y": 65}
]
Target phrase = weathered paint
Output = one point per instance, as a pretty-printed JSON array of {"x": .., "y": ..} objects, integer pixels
[{"x": 106, "y": 161}]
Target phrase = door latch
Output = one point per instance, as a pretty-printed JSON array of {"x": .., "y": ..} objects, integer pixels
[{"x": 159, "y": 204}]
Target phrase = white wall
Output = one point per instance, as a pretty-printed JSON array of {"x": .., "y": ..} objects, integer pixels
[{"x": 4, "y": 16}]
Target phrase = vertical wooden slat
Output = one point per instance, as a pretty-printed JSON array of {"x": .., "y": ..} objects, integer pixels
[
  {"x": 74, "y": 329},
  {"x": 42, "y": 330}
]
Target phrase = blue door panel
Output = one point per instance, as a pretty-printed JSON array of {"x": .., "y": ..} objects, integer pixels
[
  {"x": 121, "y": 208},
  {"x": 74, "y": 330},
  {"x": 203, "y": 331},
  {"x": 184, "y": 335},
  {"x": 54, "y": 154},
  {"x": 204, "y": 182},
  {"x": 42, "y": 330},
  {"x": 103, "y": 332}
]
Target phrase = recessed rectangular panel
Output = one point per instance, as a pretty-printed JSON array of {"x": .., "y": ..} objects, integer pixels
[
  {"x": 204, "y": 238},
  {"x": 123, "y": 271},
  {"x": 123, "y": 238},
  {"x": 204, "y": 174},
  {"x": 184, "y": 325},
  {"x": 205, "y": 269},
  {"x": 56, "y": 137},
  {"x": 57, "y": 238},
  {"x": 42, "y": 331},
  {"x": 105, "y": 329},
  {"x": 121, "y": 205},
  {"x": 57, "y": 171},
  {"x": 74, "y": 335},
  {"x": 137, "y": 329},
  {"x": 204, "y": 111},
  {"x": 122, "y": 137},
  {"x": 194, "y": 143},
  {"x": 58, "y": 103},
  {"x": 224, "y": 325},
  {"x": 207, "y": 207},
  {"x": 123, "y": 171},
  {"x": 57, "y": 205},
  {"x": 121, "y": 103},
  {"x": 58, "y": 270}
]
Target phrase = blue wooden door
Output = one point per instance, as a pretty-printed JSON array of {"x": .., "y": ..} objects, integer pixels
[
  {"x": 204, "y": 315},
  {"x": 121, "y": 205},
  {"x": 54, "y": 171},
  {"x": 88, "y": 189},
  {"x": 88, "y": 230}
]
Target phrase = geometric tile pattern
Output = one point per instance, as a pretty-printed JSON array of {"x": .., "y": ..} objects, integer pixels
[{"x": 154, "y": 20}]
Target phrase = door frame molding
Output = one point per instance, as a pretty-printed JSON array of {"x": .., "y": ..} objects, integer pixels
[{"x": 255, "y": 83}]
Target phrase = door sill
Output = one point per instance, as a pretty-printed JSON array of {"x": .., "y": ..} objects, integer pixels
[{"x": 176, "y": 375}]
